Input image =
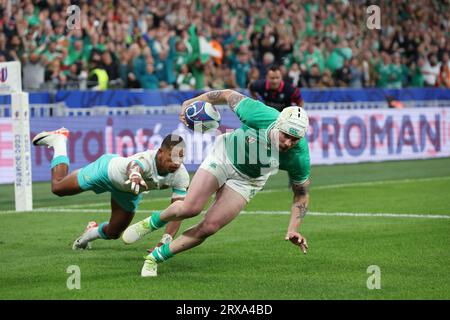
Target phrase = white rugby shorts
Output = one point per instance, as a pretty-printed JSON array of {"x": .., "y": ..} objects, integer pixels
[{"x": 218, "y": 164}]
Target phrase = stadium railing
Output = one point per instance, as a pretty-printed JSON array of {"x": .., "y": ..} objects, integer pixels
[{"x": 147, "y": 102}]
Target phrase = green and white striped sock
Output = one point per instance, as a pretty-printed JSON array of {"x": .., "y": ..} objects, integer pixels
[
  {"x": 155, "y": 222},
  {"x": 162, "y": 253}
]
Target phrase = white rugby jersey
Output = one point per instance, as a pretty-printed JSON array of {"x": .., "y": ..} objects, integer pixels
[{"x": 117, "y": 173}]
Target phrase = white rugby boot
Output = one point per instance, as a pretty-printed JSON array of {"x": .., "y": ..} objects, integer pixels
[
  {"x": 80, "y": 243},
  {"x": 137, "y": 231},
  {"x": 48, "y": 138},
  {"x": 150, "y": 267}
]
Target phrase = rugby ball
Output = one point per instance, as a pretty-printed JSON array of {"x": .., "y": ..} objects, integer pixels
[{"x": 202, "y": 117}]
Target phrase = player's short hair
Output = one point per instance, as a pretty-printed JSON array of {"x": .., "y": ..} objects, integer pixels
[
  {"x": 172, "y": 140},
  {"x": 274, "y": 67}
]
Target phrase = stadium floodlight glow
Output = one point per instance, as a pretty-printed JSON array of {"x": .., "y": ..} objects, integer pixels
[{"x": 11, "y": 84}]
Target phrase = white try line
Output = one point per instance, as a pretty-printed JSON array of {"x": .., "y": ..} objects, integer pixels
[
  {"x": 376, "y": 183},
  {"x": 325, "y": 187},
  {"x": 351, "y": 214},
  {"x": 262, "y": 212}
]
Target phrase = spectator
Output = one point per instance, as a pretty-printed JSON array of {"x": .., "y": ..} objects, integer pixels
[
  {"x": 110, "y": 65},
  {"x": 313, "y": 56},
  {"x": 443, "y": 79},
  {"x": 126, "y": 74},
  {"x": 149, "y": 80},
  {"x": 51, "y": 52},
  {"x": 241, "y": 67},
  {"x": 321, "y": 33},
  {"x": 181, "y": 55},
  {"x": 3, "y": 49},
  {"x": 76, "y": 53},
  {"x": 416, "y": 76},
  {"x": 74, "y": 76},
  {"x": 163, "y": 53},
  {"x": 326, "y": 80},
  {"x": 312, "y": 77},
  {"x": 33, "y": 72},
  {"x": 98, "y": 77},
  {"x": 396, "y": 73},
  {"x": 54, "y": 75},
  {"x": 185, "y": 80},
  {"x": 356, "y": 73},
  {"x": 274, "y": 91},
  {"x": 343, "y": 75},
  {"x": 431, "y": 70},
  {"x": 229, "y": 78},
  {"x": 267, "y": 62},
  {"x": 294, "y": 75},
  {"x": 338, "y": 56},
  {"x": 253, "y": 75},
  {"x": 16, "y": 48},
  {"x": 383, "y": 69}
]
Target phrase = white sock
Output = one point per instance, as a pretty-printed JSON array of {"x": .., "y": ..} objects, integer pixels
[
  {"x": 60, "y": 146},
  {"x": 90, "y": 235}
]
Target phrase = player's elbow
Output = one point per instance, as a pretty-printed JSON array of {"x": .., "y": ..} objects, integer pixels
[{"x": 228, "y": 92}]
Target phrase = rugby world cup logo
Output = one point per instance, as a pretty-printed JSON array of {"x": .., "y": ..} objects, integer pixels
[{"x": 3, "y": 74}]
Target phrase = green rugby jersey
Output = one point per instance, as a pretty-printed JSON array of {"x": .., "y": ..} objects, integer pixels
[{"x": 248, "y": 147}]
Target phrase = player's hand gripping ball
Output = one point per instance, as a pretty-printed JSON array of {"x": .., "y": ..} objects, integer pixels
[{"x": 202, "y": 117}]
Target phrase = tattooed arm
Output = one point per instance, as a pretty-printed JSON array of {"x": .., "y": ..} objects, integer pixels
[
  {"x": 298, "y": 212},
  {"x": 230, "y": 97}
]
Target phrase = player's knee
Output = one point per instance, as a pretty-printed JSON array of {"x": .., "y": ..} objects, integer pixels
[
  {"x": 191, "y": 209},
  {"x": 207, "y": 229}
]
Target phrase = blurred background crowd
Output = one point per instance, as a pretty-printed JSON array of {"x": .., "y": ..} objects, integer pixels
[{"x": 216, "y": 44}]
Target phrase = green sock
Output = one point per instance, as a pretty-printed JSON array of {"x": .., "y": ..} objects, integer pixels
[
  {"x": 162, "y": 253},
  {"x": 155, "y": 221}
]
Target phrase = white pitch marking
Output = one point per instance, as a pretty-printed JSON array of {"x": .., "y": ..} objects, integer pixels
[
  {"x": 331, "y": 186},
  {"x": 344, "y": 214},
  {"x": 361, "y": 184},
  {"x": 350, "y": 214}
]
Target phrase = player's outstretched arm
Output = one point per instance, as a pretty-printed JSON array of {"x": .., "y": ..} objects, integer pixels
[
  {"x": 298, "y": 212},
  {"x": 227, "y": 96}
]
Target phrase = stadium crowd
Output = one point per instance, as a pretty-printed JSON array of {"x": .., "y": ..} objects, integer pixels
[{"x": 216, "y": 44}]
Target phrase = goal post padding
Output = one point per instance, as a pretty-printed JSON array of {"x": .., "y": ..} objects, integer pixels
[{"x": 11, "y": 84}]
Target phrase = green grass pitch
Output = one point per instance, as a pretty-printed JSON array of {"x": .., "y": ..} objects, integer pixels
[{"x": 249, "y": 258}]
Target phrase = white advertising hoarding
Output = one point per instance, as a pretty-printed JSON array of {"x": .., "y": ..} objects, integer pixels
[
  {"x": 335, "y": 137},
  {"x": 349, "y": 136}
]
